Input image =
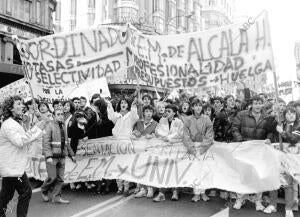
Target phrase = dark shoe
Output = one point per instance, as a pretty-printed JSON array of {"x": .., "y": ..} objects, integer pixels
[
  {"x": 45, "y": 197},
  {"x": 60, "y": 200},
  {"x": 126, "y": 193}
]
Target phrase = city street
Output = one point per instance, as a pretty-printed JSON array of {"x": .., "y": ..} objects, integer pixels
[{"x": 87, "y": 204}]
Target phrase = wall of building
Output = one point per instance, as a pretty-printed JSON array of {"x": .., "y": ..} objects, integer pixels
[{"x": 27, "y": 19}]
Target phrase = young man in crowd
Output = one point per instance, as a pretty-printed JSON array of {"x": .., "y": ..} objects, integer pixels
[
  {"x": 55, "y": 150},
  {"x": 170, "y": 129},
  {"x": 217, "y": 104},
  {"x": 145, "y": 128},
  {"x": 248, "y": 125},
  {"x": 83, "y": 102},
  {"x": 76, "y": 102},
  {"x": 198, "y": 128}
]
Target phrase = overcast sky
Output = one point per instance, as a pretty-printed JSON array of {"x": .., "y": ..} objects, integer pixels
[{"x": 284, "y": 18}]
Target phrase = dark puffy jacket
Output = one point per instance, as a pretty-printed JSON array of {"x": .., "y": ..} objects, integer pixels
[
  {"x": 290, "y": 133},
  {"x": 223, "y": 125},
  {"x": 245, "y": 128},
  {"x": 75, "y": 134}
]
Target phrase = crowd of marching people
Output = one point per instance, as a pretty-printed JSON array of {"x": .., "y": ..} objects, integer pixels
[{"x": 187, "y": 120}]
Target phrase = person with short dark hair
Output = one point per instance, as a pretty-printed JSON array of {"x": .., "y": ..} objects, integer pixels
[
  {"x": 290, "y": 133},
  {"x": 297, "y": 107},
  {"x": 76, "y": 102},
  {"x": 55, "y": 148},
  {"x": 14, "y": 143},
  {"x": 184, "y": 110},
  {"x": 57, "y": 104},
  {"x": 83, "y": 102},
  {"x": 218, "y": 104},
  {"x": 45, "y": 111},
  {"x": 145, "y": 128},
  {"x": 198, "y": 130},
  {"x": 170, "y": 129},
  {"x": 248, "y": 125}
]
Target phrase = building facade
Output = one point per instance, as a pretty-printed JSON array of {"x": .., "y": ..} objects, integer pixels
[
  {"x": 216, "y": 13},
  {"x": 27, "y": 19}
]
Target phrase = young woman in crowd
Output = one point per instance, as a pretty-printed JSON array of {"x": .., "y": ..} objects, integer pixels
[
  {"x": 145, "y": 128},
  {"x": 170, "y": 129},
  {"x": 184, "y": 111},
  {"x": 198, "y": 128},
  {"x": 160, "y": 111},
  {"x": 76, "y": 131},
  {"x": 44, "y": 109},
  {"x": 69, "y": 109},
  {"x": 288, "y": 131},
  {"x": 208, "y": 110},
  {"x": 124, "y": 118}
]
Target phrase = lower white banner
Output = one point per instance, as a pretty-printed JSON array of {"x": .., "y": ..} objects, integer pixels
[{"x": 247, "y": 167}]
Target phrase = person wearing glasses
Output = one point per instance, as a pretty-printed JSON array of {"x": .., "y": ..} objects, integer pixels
[{"x": 170, "y": 129}]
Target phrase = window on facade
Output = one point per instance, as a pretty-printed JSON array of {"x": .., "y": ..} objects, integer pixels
[
  {"x": 155, "y": 5},
  {"x": 72, "y": 24},
  {"x": 32, "y": 13},
  {"x": 58, "y": 11},
  {"x": 26, "y": 11},
  {"x": 8, "y": 6},
  {"x": 38, "y": 12},
  {"x": 73, "y": 7},
  {"x": 50, "y": 18},
  {"x": 91, "y": 3}
]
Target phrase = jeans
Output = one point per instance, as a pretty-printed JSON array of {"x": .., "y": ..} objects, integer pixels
[
  {"x": 55, "y": 178},
  {"x": 289, "y": 191},
  {"x": 9, "y": 185}
]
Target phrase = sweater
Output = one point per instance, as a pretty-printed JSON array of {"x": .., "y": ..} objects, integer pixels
[
  {"x": 14, "y": 142},
  {"x": 150, "y": 129},
  {"x": 123, "y": 124},
  {"x": 173, "y": 133}
]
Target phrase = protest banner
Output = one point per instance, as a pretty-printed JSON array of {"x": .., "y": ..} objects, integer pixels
[
  {"x": 19, "y": 87},
  {"x": 214, "y": 57},
  {"x": 56, "y": 65},
  {"x": 247, "y": 167}
]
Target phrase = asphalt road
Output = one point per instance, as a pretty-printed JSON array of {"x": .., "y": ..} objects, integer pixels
[{"x": 88, "y": 204}]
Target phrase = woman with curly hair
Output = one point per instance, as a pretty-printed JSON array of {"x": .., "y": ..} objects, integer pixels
[{"x": 14, "y": 143}]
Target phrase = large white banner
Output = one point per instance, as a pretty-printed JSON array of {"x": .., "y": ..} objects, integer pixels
[
  {"x": 215, "y": 57},
  {"x": 56, "y": 65},
  {"x": 247, "y": 167}
]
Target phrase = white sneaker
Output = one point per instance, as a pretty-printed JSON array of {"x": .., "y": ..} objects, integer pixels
[
  {"x": 141, "y": 193},
  {"x": 149, "y": 192},
  {"x": 224, "y": 195},
  {"x": 78, "y": 186},
  {"x": 238, "y": 204},
  {"x": 136, "y": 190},
  {"x": 174, "y": 196},
  {"x": 270, "y": 209},
  {"x": 160, "y": 197},
  {"x": 204, "y": 197},
  {"x": 259, "y": 206},
  {"x": 72, "y": 186},
  {"x": 289, "y": 213},
  {"x": 196, "y": 198}
]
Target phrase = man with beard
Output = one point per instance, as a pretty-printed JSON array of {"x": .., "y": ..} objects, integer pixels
[{"x": 248, "y": 125}]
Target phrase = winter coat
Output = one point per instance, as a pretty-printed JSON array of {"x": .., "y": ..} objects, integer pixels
[
  {"x": 14, "y": 142},
  {"x": 223, "y": 125},
  {"x": 75, "y": 134},
  {"x": 173, "y": 133},
  {"x": 52, "y": 147},
  {"x": 150, "y": 129},
  {"x": 93, "y": 123},
  {"x": 289, "y": 135},
  {"x": 244, "y": 127},
  {"x": 198, "y": 129}
]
